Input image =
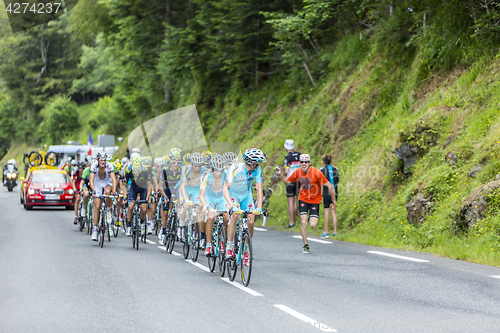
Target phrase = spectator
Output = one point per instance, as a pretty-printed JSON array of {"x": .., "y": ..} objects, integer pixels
[
  {"x": 311, "y": 181},
  {"x": 292, "y": 163},
  {"x": 332, "y": 174}
]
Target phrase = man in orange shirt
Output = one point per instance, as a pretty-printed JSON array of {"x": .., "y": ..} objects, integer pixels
[{"x": 311, "y": 182}]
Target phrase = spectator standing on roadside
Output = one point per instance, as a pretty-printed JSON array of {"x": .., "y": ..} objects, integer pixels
[
  {"x": 311, "y": 182},
  {"x": 292, "y": 163},
  {"x": 332, "y": 174}
]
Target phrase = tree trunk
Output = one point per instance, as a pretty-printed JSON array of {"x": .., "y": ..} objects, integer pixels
[{"x": 309, "y": 73}]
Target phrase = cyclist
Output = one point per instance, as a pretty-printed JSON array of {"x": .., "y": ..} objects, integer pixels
[
  {"x": 86, "y": 182},
  {"x": 121, "y": 188},
  {"x": 156, "y": 174},
  {"x": 171, "y": 177},
  {"x": 139, "y": 183},
  {"x": 147, "y": 162},
  {"x": 292, "y": 163},
  {"x": 104, "y": 183},
  {"x": 238, "y": 192},
  {"x": 190, "y": 187},
  {"x": 211, "y": 197},
  {"x": 77, "y": 183},
  {"x": 311, "y": 182},
  {"x": 207, "y": 155}
]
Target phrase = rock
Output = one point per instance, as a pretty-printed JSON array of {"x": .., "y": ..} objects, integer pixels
[
  {"x": 408, "y": 154},
  {"x": 475, "y": 211},
  {"x": 417, "y": 209},
  {"x": 451, "y": 158},
  {"x": 475, "y": 171}
]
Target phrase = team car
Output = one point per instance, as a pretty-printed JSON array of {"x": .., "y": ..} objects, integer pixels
[{"x": 47, "y": 187}]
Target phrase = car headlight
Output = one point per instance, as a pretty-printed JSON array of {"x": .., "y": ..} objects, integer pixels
[
  {"x": 31, "y": 191},
  {"x": 70, "y": 191},
  {"x": 9, "y": 174}
]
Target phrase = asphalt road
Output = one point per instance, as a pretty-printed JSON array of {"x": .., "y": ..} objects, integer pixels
[{"x": 56, "y": 279}]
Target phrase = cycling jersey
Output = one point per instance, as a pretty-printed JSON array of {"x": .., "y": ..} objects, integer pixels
[
  {"x": 78, "y": 179},
  {"x": 310, "y": 184},
  {"x": 292, "y": 161},
  {"x": 141, "y": 180},
  {"x": 241, "y": 180},
  {"x": 171, "y": 180},
  {"x": 101, "y": 183},
  {"x": 213, "y": 194},
  {"x": 192, "y": 183}
]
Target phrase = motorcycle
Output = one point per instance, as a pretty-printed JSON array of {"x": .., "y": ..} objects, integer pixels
[{"x": 10, "y": 177}]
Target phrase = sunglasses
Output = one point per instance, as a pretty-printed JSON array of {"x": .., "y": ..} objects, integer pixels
[
  {"x": 304, "y": 162},
  {"x": 175, "y": 162}
]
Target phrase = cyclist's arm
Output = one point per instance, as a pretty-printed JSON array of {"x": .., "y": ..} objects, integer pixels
[
  {"x": 124, "y": 187},
  {"x": 286, "y": 169},
  {"x": 113, "y": 179},
  {"x": 183, "y": 191},
  {"x": 227, "y": 196},
  {"x": 259, "y": 187},
  {"x": 150, "y": 187},
  {"x": 202, "y": 197},
  {"x": 92, "y": 176}
]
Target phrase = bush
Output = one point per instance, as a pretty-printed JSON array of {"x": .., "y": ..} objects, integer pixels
[{"x": 60, "y": 118}]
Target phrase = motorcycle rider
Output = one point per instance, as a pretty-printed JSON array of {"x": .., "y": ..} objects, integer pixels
[{"x": 11, "y": 162}]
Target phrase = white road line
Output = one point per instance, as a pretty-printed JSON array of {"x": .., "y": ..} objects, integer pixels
[
  {"x": 396, "y": 256},
  {"x": 239, "y": 286},
  {"x": 175, "y": 253},
  {"x": 150, "y": 242},
  {"x": 198, "y": 265},
  {"x": 304, "y": 318},
  {"x": 162, "y": 247},
  {"x": 314, "y": 240},
  {"x": 260, "y": 229},
  {"x": 495, "y": 276}
]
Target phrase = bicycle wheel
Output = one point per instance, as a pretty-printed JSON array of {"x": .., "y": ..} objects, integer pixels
[
  {"x": 108, "y": 231},
  {"x": 195, "y": 241},
  {"x": 185, "y": 243},
  {"x": 211, "y": 257},
  {"x": 221, "y": 249},
  {"x": 231, "y": 263},
  {"x": 100, "y": 236},
  {"x": 115, "y": 228},
  {"x": 90, "y": 220},
  {"x": 137, "y": 232},
  {"x": 246, "y": 260}
]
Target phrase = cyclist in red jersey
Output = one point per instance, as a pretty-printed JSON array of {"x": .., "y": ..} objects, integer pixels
[{"x": 311, "y": 182}]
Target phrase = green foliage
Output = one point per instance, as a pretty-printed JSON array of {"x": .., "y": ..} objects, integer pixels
[{"x": 60, "y": 119}]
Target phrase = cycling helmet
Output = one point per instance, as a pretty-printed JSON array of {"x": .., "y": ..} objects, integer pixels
[
  {"x": 175, "y": 154},
  {"x": 254, "y": 156},
  {"x": 124, "y": 160},
  {"x": 159, "y": 161},
  {"x": 133, "y": 155},
  {"x": 137, "y": 164},
  {"x": 187, "y": 158},
  {"x": 102, "y": 154},
  {"x": 147, "y": 161},
  {"x": 218, "y": 162},
  {"x": 197, "y": 159},
  {"x": 73, "y": 162},
  {"x": 207, "y": 154},
  {"x": 81, "y": 165},
  {"x": 110, "y": 157},
  {"x": 230, "y": 157},
  {"x": 136, "y": 150}
]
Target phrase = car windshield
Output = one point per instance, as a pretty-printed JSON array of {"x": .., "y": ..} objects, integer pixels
[{"x": 50, "y": 178}]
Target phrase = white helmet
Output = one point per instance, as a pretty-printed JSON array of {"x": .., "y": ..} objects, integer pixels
[
  {"x": 197, "y": 159},
  {"x": 136, "y": 150},
  {"x": 124, "y": 160},
  {"x": 133, "y": 155},
  {"x": 12, "y": 161}
]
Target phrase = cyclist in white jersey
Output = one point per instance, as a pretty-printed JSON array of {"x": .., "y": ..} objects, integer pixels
[
  {"x": 102, "y": 184},
  {"x": 238, "y": 191}
]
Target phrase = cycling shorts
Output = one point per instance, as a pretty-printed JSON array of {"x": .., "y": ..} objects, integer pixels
[
  {"x": 218, "y": 203},
  {"x": 292, "y": 189},
  {"x": 327, "y": 200},
  {"x": 308, "y": 208},
  {"x": 193, "y": 193},
  {"x": 245, "y": 202},
  {"x": 134, "y": 190},
  {"x": 100, "y": 185}
]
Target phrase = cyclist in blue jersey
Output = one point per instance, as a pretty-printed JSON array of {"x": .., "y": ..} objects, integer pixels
[
  {"x": 230, "y": 158},
  {"x": 211, "y": 196},
  {"x": 238, "y": 191},
  {"x": 138, "y": 179},
  {"x": 190, "y": 187}
]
